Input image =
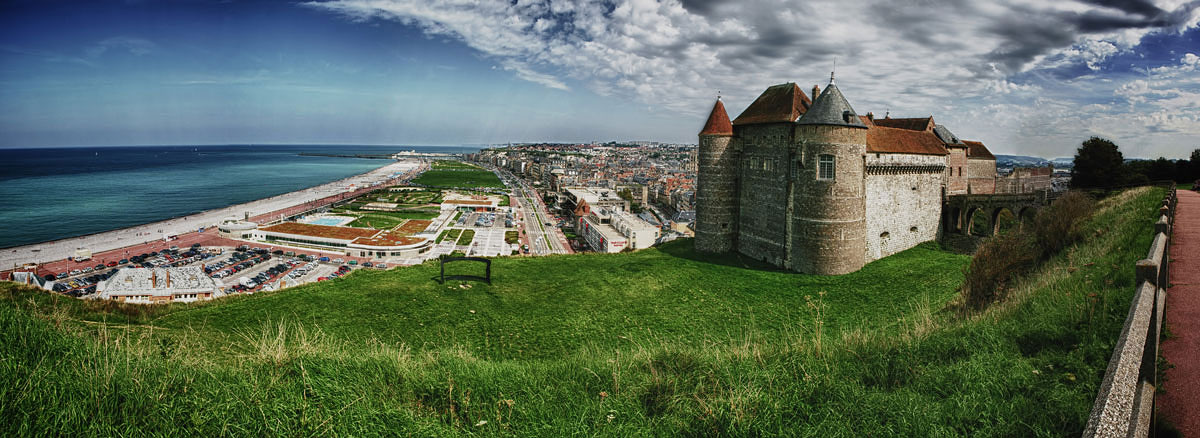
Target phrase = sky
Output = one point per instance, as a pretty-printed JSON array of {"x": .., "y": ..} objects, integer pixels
[{"x": 1025, "y": 77}]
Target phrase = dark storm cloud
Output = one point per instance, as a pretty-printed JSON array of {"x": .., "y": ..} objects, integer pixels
[
  {"x": 702, "y": 7},
  {"x": 1140, "y": 7},
  {"x": 1027, "y": 33}
]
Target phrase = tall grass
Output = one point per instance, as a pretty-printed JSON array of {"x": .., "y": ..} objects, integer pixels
[{"x": 662, "y": 342}]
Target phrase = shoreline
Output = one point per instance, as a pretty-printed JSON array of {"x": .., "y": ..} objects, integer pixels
[{"x": 105, "y": 241}]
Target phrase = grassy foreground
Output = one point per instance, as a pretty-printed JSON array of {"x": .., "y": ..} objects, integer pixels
[{"x": 659, "y": 342}]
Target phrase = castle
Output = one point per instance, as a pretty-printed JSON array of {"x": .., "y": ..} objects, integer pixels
[{"x": 811, "y": 186}]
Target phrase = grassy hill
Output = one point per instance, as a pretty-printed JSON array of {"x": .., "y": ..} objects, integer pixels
[{"x": 659, "y": 342}]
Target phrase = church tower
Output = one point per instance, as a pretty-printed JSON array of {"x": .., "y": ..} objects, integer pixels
[
  {"x": 827, "y": 212},
  {"x": 716, "y": 185}
]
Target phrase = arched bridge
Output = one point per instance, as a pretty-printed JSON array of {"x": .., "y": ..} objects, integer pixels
[{"x": 979, "y": 215}]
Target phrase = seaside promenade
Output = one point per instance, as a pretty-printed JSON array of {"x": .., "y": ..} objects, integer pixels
[{"x": 261, "y": 210}]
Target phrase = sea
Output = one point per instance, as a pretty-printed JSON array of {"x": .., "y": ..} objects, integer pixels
[{"x": 54, "y": 193}]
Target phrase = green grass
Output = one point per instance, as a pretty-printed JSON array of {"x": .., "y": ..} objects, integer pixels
[
  {"x": 387, "y": 219},
  {"x": 447, "y": 234},
  {"x": 451, "y": 164},
  {"x": 376, "y": 221},
  {"x": 660, "y": 342},
  {"x": 466, "y": 237},
  {"x": 459, "y": 178},
  {"x": 511, "y": 237}
]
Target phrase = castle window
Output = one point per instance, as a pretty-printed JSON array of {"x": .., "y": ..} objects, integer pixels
[{"x": 825, "y": 167}]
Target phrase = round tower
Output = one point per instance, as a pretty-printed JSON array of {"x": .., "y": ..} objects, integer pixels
[
  {"x": 716, "y": 184},
  {"x": 827, "y": 233}
]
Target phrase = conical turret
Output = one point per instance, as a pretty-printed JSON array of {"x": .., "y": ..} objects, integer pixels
[
  {"x": 831, "y": 108},
  {"x": 716, "y": 184},
  {"x": 828, "y": 201},
  {"x": 718, "y": 121}
]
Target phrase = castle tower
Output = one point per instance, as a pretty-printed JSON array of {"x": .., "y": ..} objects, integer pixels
[
  {"x": 827, "y": 202},
  {"x": 716, "y": 184}
]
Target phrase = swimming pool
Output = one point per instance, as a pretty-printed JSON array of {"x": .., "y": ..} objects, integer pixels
[{"x": 331, "y": 221}]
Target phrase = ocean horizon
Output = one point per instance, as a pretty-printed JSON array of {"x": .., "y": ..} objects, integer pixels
[{"x": 60, "y": 192}]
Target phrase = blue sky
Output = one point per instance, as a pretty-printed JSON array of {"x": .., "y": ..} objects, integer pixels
[{"x": 1023, "y": 76}]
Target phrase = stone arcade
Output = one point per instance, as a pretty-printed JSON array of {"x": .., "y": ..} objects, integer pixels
[{"x": 811, "y": 186}]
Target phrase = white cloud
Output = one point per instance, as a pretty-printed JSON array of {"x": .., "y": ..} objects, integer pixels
[{"x": 932, "y": 56}]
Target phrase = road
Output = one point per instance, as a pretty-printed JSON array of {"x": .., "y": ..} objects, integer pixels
[{"x": 542, "y": 239}]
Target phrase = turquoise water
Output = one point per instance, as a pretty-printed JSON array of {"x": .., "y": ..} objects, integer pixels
[
  {"x": 326, "y": 221},
  {"x": 49, "y": 194}
]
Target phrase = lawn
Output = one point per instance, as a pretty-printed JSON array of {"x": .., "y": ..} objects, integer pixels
[
  {"x": 447, "y": 234},
  {"x": 658, "y": 342},
  {"x": 459, "y": 178},
  {"x": 466, "y": 237},
  {"x": 451, "y": 164}
]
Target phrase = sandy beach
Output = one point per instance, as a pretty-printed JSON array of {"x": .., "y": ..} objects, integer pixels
[{"x": 260, "y": 210}]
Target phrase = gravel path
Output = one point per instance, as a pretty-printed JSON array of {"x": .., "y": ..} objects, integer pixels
[{"x": 1180, "y": 404}]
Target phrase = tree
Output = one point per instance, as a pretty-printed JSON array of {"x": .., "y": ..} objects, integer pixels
[
  {"x": 1161, "y": 169},
  {"x": 1098, "y": 163},
  {"x": 1190, "y": 172}
]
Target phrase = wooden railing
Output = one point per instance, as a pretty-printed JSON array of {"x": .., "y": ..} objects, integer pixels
[{"x": 1124, "y": 406}]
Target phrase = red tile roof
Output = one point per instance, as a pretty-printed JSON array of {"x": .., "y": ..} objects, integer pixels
[
  {"x": 913, "y": 124},
  {"x": 718, "y": 121},
  {"x": 778, "y": 103},
  {"x": 978, "y": 151},
  {"x": 882, "y": 139}
]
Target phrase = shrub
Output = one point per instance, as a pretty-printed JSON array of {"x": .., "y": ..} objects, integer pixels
[
  {"x": 996, "y": 263},
  {"x": 1003, "y": 258},
  {"x": 1057, "y": 226}
]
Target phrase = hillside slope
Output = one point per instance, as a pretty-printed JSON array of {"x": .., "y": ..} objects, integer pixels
[{"x": 663, "y": 342}]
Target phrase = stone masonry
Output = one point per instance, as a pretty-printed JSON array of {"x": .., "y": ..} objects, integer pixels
[{"x": 811, "y": 186}]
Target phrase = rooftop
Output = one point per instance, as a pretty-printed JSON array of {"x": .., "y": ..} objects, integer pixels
[
  {"x": 778, "y": 103},
  {"x": 978, "y": 151},
  {"x": 718, "y": 121},
  {"x": 903, "y": 141},
  {"x": 157, "y": 281},
  {"x": 912, "y": 124},
  {"x": 831, "y": 108},
  {"x": 325, "y": 231}
]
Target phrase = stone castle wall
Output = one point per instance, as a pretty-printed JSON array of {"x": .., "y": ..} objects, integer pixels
[
  {"x": 763, "y": 191},
  {"x": 828, "y": 216},
  {"x": 903, "y": 201},
  {"x": 716, "y": 194},
  {"x": 956, "y": 168}
]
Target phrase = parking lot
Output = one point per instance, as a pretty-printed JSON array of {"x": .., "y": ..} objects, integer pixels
[{"x": 244, "y": 269}]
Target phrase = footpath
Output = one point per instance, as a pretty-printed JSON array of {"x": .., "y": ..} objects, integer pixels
[{"x": 1180, "y": 404}]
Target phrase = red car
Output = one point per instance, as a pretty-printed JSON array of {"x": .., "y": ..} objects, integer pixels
[{"x": 111, "y": 264}]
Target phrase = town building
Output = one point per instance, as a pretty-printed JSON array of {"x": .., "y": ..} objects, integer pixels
[
  {"x": 594, "y": 197},
  {"x": 613, "y": 230},
  {"x": 810, "y": 185},
  {"x": 384, "y": 245},
  {"x": 1025, "y": 180},
  {"x": 159, "y": 286}
]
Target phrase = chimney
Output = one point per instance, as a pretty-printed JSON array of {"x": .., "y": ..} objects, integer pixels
[
  {"x": 870, "y": 116},
  {"x": 816, "y": 92}
]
